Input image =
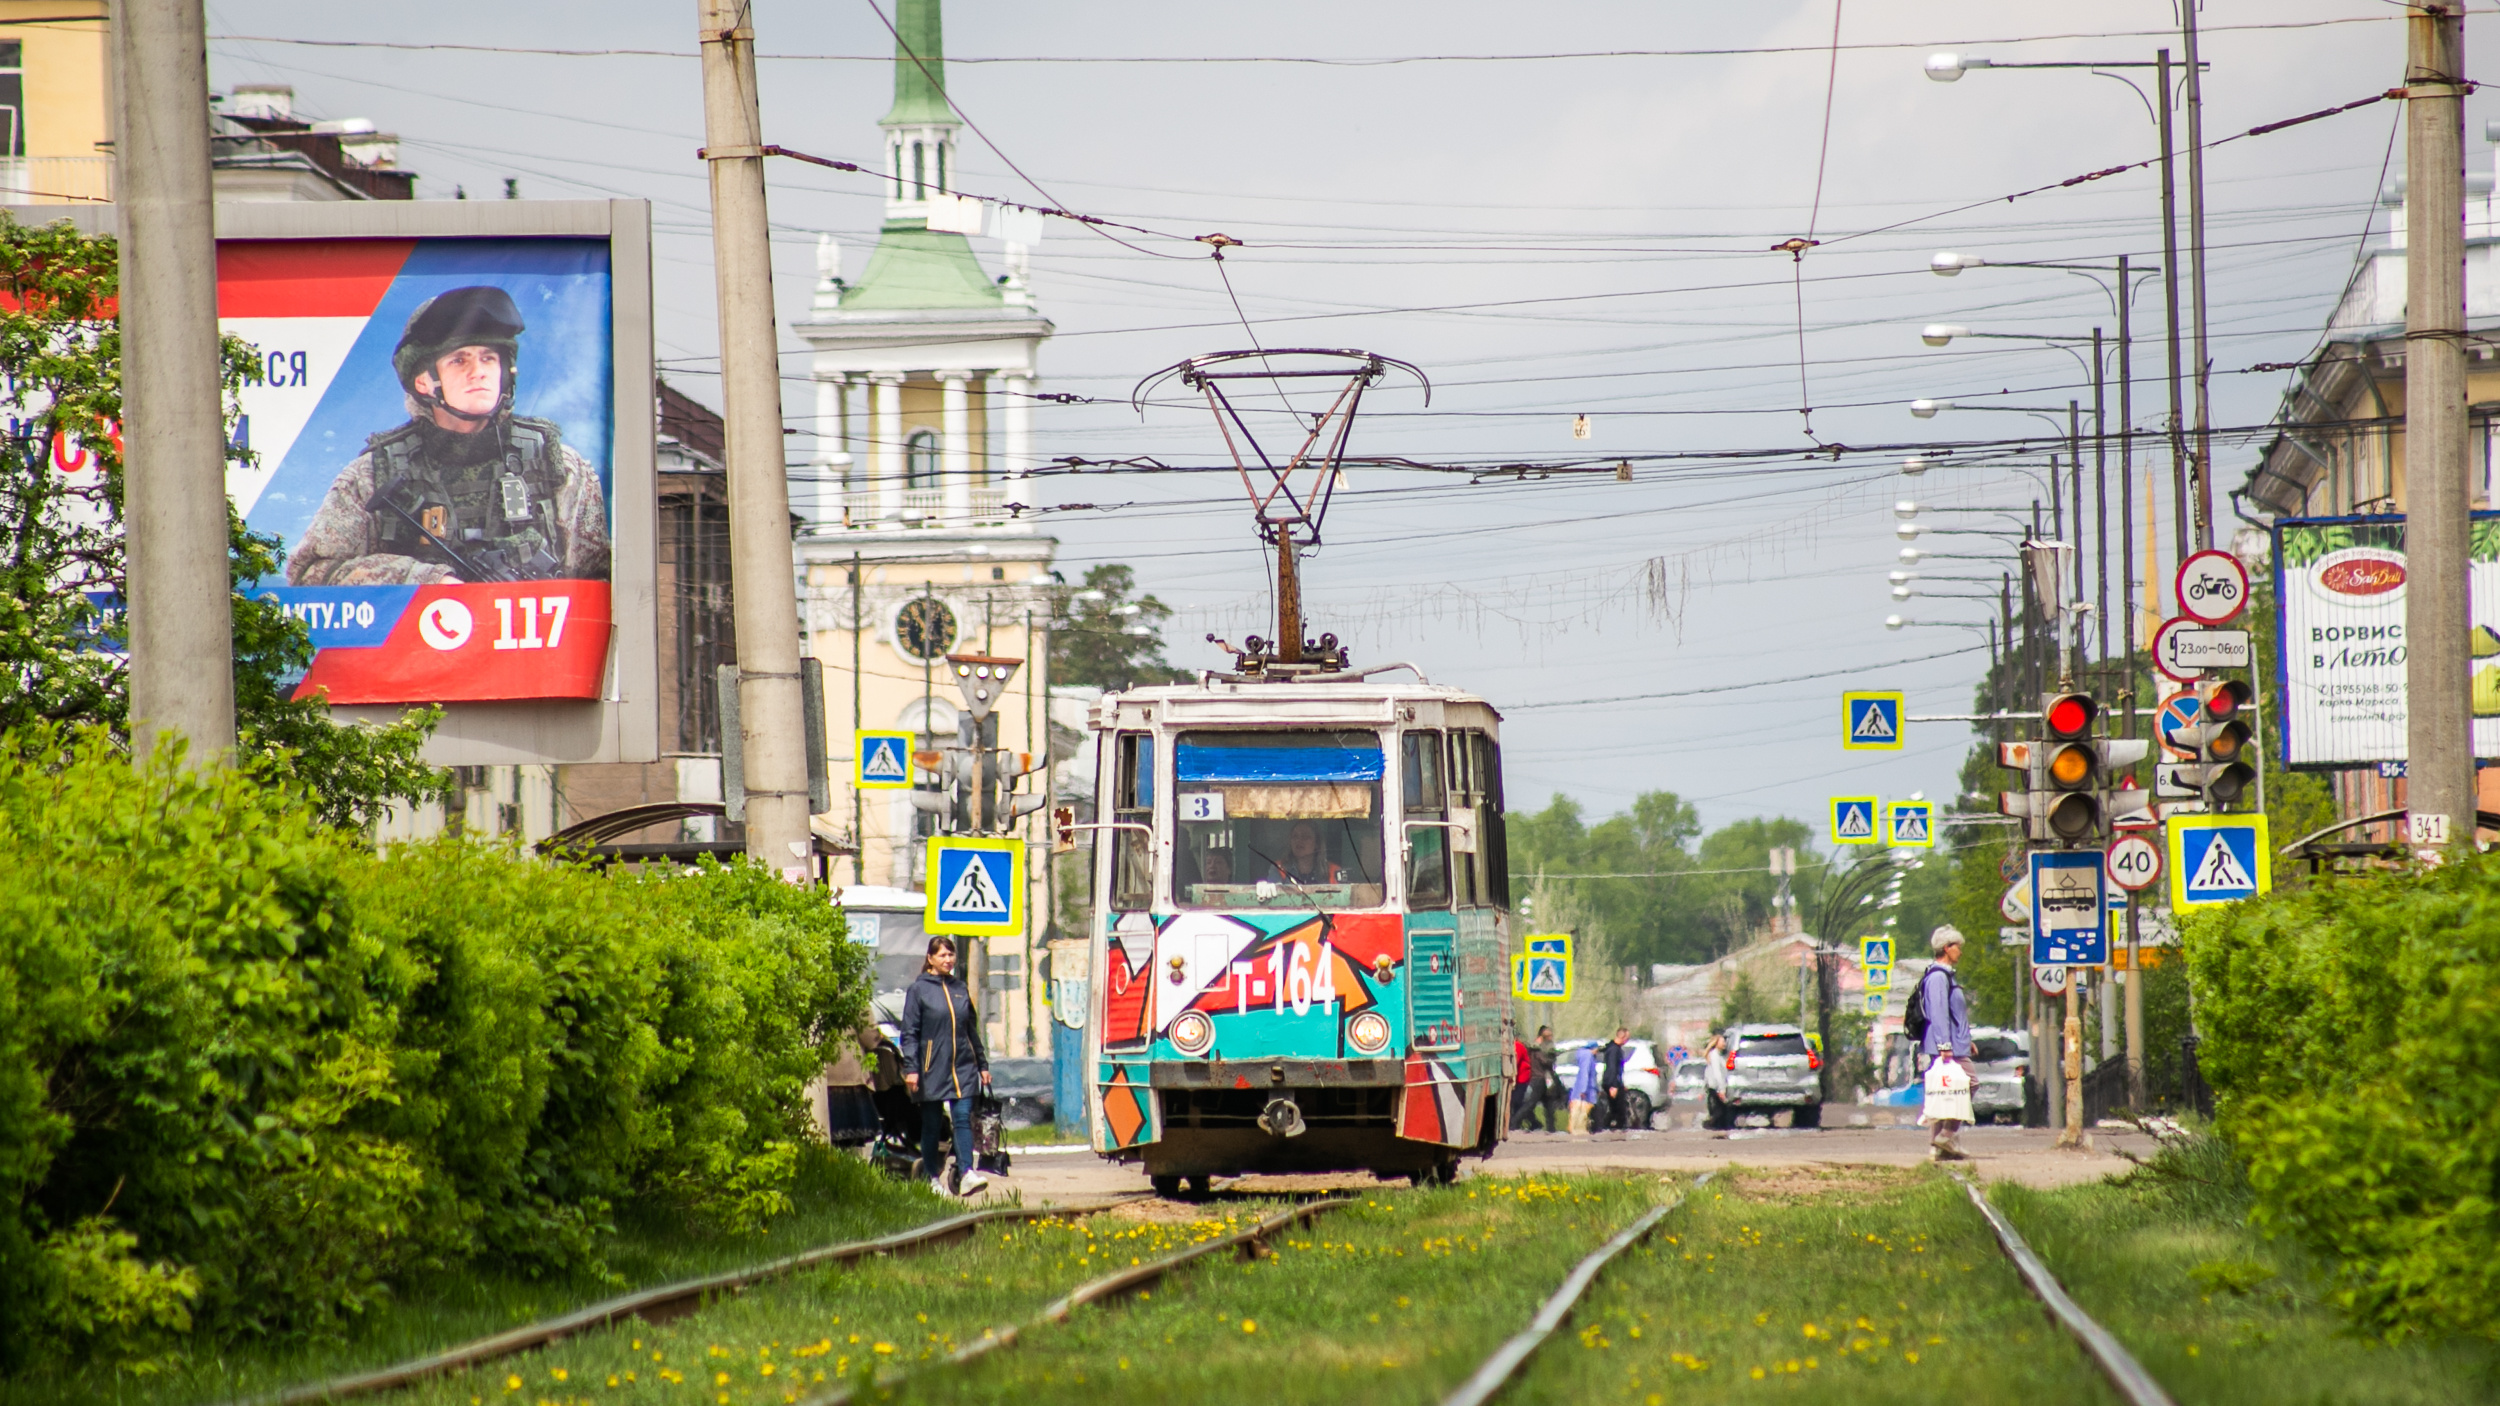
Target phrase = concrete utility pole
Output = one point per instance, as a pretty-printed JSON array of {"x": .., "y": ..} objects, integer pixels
[
  {"x": 2204, "y": 460},
  {"x": 2439, "y": 769},
  {"x": 771, "y": 718},
  {"x": 181, "y": 623}
]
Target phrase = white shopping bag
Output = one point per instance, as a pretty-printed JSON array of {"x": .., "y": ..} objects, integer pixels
[{"x": 1948, "y": 1093}]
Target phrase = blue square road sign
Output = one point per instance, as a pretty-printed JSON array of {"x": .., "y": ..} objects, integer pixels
[
  {"x": 2218, "y": 859},
  {"x": 976, "y": 887},
  {"x": 1855, "y": 820},
  {"x": 2068, "y": 896},
  {"x": 1870, "y": 722}
]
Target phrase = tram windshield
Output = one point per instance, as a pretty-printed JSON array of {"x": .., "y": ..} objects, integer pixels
[{"x": 1278, "y": 820}]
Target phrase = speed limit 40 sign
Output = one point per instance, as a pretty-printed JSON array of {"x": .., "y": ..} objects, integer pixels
[{"x": 2133, "y": 862}]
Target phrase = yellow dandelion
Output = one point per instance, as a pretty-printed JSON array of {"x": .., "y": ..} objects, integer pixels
[
  {"x": 1758, "y": 1374},
  {"x": 1249, "y": 1325},
  {"x": 512, "y": 1383},
  {"x": 562, "y": 1375},
  {"x": 885, "y": 1348}
]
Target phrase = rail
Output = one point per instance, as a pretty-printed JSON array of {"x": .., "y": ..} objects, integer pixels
[
  {"x": 2119, "y": 1365},
  {"x": 661, "y": 1303},
  {"x": 1506, "y": 1360},
  {"x": 1249, "y": 1244}
]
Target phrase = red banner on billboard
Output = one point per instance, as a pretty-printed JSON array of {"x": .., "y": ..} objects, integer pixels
[{"x": 482, "y": 641}]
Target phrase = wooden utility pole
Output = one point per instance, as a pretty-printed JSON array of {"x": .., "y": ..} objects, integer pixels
[
  {"x": 181, "y": 622},
  {"x": 771, "y": 716},
  {"x": 2439, "y": 765}
]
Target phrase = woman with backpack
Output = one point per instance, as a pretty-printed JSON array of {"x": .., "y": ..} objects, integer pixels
[
  {"x": 944, "y": 1065},
  {"x": 1938, "y": 1018}
]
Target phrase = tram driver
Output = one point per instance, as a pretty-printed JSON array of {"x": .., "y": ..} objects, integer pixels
[
  {"x": 1216, "y": 867},
  {"x": 1303, "y": 862}
]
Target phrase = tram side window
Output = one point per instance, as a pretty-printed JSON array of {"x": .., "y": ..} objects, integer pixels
[
  {"x": 1492, "y": 834},
  {"x": 1132, "y": 851},
  {"x": 1465, "y": 890},
  {"x": 1428, "y": 865}
]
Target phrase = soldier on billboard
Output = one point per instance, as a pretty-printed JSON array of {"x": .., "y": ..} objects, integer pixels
[{"x": 466, "y": 490}]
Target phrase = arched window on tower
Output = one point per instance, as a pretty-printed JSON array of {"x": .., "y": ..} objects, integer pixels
[
  {"x": 894, "y": 163},
  {"x": 919, "y": 171},
  {"x": 941, "y": 165},
  {"x": 920, "y": 459}
]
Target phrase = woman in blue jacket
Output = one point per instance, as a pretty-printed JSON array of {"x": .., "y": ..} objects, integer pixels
[{"x": 944, "y": 1065}]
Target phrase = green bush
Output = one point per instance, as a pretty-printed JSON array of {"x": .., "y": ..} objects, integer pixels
[
  {"x": 2348, "y": 1033},
  {"x": 251, "y": 1071}
]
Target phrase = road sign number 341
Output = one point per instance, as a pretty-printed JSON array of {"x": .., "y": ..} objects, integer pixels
[{"x": 2133, "y": 862}]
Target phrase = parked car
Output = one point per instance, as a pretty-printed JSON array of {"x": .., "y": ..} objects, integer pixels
[
  {"x": 1762, "y": 1069},
  {"x": 1999, "y": 1060},
  {"x": 1645, "y": 1093},
  {"x": 1692, "y": 1079}
]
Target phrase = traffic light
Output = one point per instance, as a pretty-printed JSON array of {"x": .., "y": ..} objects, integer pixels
[
  {"x": 2225, "y": 743},
  {"x": 2074, "y": 791}
]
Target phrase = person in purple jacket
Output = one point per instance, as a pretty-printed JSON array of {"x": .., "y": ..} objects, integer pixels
[{"x": 1948, "y": 1031}]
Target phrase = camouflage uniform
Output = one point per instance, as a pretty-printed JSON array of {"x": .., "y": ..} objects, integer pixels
[
  {"x": 349, "y": 546},
  {"x": 507, "y": 500}
]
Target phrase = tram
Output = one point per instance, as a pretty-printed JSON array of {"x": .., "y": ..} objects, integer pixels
[{"x": 1301, "y": 942}]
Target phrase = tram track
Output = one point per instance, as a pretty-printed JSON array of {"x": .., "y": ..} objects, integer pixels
[
  {"x": 2126, "y": 1375},
  {"x": 664, "y": 1302},
  {"x": 1248, "y": 1244}
]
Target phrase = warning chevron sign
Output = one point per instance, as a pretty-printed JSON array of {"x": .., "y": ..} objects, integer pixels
[
  {"x": 2218, "y": 859},
  {"x": 1870, "y": 722},
  {"x": 976, "y": 887},
  {"x": 880, "y": 760}
]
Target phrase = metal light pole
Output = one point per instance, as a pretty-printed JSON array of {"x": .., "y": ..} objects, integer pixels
[
  {"x": 770, "y": 714},
  {"x": 179, "y": 589},
  {"x": 2439, "y": 772},
  {"x": 2196, "y": 275}
]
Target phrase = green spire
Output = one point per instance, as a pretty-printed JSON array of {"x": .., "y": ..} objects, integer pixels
[{"x": 919, "y": 66}]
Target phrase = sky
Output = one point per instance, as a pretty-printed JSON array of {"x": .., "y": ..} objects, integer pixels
[{"x": 1549, "y": 227}]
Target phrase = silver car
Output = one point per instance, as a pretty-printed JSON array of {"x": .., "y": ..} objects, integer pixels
[
  {"x": 1762, "y": 1069},
  {"x": 1645, "y": 1092},
  {"x": 1999, "y": 1060}
]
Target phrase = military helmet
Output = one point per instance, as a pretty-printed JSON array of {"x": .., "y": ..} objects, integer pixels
[{"x": 463, "y": 317}]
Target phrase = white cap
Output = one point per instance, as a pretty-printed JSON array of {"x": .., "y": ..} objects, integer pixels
[{"x": 1944, "y": 937}]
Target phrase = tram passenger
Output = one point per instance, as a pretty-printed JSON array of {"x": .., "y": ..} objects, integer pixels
[{"x": 1303, "y": 862}]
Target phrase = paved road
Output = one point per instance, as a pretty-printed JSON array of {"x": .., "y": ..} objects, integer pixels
[{"x": 2026, "y": 1155}]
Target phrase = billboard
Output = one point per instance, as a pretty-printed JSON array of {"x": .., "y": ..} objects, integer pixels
[
  {"x": 434, "y": 432},
  {"x": 2340, "y": 644}
]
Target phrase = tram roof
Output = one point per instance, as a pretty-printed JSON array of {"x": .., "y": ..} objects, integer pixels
[{"x": 1216, "y": 700}]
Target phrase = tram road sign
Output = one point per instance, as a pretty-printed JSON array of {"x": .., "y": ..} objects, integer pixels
[
  {"x": 1871, "y": 722},
  {"x": 976, "y": 887},
  {"x": 2067, "y": 899},
  {"x": 881, "y": 760},
  {"x": 1854, "y": 820},
  {"x": 2218, "y": 859},
  {"x": 1910, "y": 824}
]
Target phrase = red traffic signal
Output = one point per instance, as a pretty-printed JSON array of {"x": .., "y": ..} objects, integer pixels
[{"x": 2070, "y": 715}]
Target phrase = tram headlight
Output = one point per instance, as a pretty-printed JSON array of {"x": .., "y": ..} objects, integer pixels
[
  {"x": 1193, "y": 1033},
  {"x": 1368, "y": 1032}
]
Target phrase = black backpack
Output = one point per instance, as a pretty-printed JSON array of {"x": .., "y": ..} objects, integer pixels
[{"x": 1914, "y": 1016}]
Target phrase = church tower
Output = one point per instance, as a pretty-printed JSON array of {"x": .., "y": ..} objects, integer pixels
[{"x": 907, "y": 550}]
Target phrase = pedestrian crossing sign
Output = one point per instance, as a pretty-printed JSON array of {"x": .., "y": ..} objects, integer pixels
[
  {"x": 1912, "y": 824},
  {"x": 1543, "y": 972},
  {"x": 1878, "y": 980},
  {"x": 1875, "y": 1003},
  {"x": 1874, "y": 952},
  {"x": 1870, "y": 722},
  {"x": 976, "y": 887},
  {"x": 881, "y": 760},
  {"x": 2218, "y": 859},
  {"x": 1854, "y": 819}
]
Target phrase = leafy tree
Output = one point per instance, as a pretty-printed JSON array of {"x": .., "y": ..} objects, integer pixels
[
  {"x": 1655, "y": 895},
  {"x": 62, "y": 568},
  {"x": 1106, "y": 636}
]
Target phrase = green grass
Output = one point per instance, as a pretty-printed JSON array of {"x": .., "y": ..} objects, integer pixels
[
  {"x": 1844, "y": 1285},
  {"x": 886, "y": 1316},
  {"x": 1042, "y": 1135},
  {"x": 1394, "y": 1300},
  {"x": 837, "y": 1199},
  {"x": 2216, "y": 1313}
]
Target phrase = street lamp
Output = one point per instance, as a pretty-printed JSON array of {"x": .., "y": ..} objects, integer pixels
[
  {"x": 1926, "y": 409},
  {"x": 1949, "y": 68}
]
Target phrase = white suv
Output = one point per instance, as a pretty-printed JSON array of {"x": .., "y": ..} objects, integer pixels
[
  {"x": 1762, "y": 1069},
  {"x": 1645, "y": 1093}
]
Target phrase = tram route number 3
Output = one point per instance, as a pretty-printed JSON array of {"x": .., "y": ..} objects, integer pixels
[
  {"x": 1201, "y": 805},
  {"x": 1297, "y": 972}
]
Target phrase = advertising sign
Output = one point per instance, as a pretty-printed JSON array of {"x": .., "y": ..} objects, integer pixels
[
  {"x": 452, "y": 443},
  {"x": 2339, "y": 621},
  {"x": 434, "y": 430}
]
